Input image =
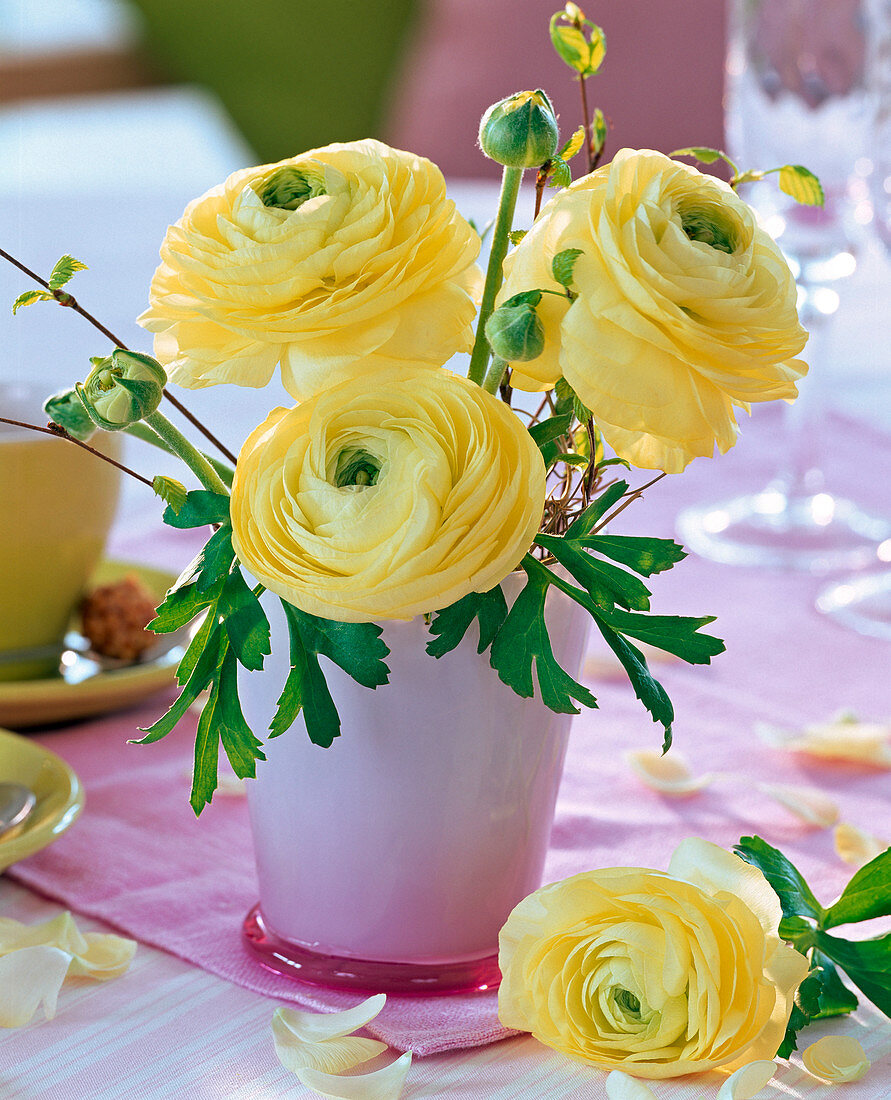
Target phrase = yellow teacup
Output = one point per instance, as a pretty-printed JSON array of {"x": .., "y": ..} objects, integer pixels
[{"x": 57, "y": 503}]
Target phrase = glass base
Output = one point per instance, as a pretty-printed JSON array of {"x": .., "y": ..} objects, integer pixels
[
  {"x": 365, "y": 975},
  {"x": 812, "y": 534},
  {"x": 861, "y": 603}
]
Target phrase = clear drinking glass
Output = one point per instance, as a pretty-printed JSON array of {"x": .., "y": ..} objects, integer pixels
[{"x": 798, "y": 92}]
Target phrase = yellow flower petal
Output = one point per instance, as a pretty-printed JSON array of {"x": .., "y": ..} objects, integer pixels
[
  {"x": 382, "y": 1084},
  {"x": 844, "y": 738},
  {"x": 30, "y": 977},
  {"x": 837, "y": 1059},
  {"x": 855, "y": 846},
  {"x": 811, "y": 805},
  {"x": 95, "y": 955},
  {"x": 327, "y": 1055},
  {"x": 747, "y": 1081},
  {"x": 669, "y": 774},
  {"x": 619, "y": 1086},
  {"x": 314, "y": 1027},
  {"x": 106, "y": 957}
]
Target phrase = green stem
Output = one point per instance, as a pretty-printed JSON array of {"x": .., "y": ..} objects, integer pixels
[
  {"x": 141, "y": 430},
  {"x": 507, "y": 201},
  {"x": 494, "y": 374},
  {"x": 193, "y": 458}
]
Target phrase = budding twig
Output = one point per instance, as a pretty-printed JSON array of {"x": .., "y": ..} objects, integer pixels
[{"x": 60, "y": 433}]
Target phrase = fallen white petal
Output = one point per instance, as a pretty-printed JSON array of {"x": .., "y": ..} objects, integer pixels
[
  {"x": 381, "y": 1084},
  {"x": 30, "y": 977},
  {"x": 855, "y": 846},
  {"x": 836, "y": 1059},
  {"x": 313, "y": 1027},
  {"x": 747, "y": 1081},
  {"x": 669, "y": 774},
  {"x": 106, "y": 957},
  {"x": 94, "y": 955},
  {"x": 328, "y": 1055},
  {"x": 619, "y": 1086},
  {"x": 844, "y": 738},
  {"x": 811, "y": 805}
]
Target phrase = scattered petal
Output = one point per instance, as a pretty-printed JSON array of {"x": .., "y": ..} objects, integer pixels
[
  {"x": 94, "y": 955},
  {"x": 619, "y": 1086},
  {"x": 843, "y": 738},
  {"x": 30, "y": 977},
  {"x": 747, "y": 1081},
  {"x": 855, "y": 846},
  {"x": 381, "y": 1084},
  {"x": 669, "y": 774},
  {"x": 106, "y": 957},
  {"x": 811, "y": 805},
  {"x": 314, "y": 1027},
  {"x": 837, "y": 1059},
  {"x": 328, "y": 1055}
]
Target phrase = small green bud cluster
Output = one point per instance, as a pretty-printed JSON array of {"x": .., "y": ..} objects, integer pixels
[
  {"x": 121, "y": 389},
  {"x": 520, "y": 131}
]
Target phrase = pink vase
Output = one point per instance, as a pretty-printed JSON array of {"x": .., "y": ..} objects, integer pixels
[{"x": 389, "y": 861}]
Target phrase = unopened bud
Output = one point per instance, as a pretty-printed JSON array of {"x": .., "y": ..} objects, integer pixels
[
  {"x": 121, "y": 389},
  {"x": 520, "y": 131},
  {"x": 515, "y": 332},
  {"x": 66, "y": 409}
]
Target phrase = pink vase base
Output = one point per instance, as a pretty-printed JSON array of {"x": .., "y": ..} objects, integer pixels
[{"x": 300, "y": 964}]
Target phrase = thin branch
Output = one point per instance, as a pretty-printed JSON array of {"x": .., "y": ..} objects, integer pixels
[
  {"x": 60, "y": 433},
  {"x": 586, "y": 119},
  {"x": 180, "y": 407},
  {"x": 629, "y": 498}
]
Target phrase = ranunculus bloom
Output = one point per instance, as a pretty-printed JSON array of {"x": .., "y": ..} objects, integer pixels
[
  {"x": 359, "y": 256},
  {"x": 655, "y": 974},
  {"x": 387, "y": 496},
  {"x": 685, "y": 308}
]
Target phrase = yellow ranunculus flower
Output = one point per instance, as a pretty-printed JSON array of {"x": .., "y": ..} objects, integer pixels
[
  {"x": 685, "y": 308},
  {"x": 387, "y": 496},
  {"x": 655, "y": 974},
  {"x": 346, "y": 253}
]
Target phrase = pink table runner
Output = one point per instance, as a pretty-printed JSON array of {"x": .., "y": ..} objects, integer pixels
[{"x": 139, "y": 860}]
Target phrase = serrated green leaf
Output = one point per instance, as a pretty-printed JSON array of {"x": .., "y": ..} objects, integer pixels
[
  {"x": 523, "y": 643},
  {"x": 195, "y": 648},
  {"x": 866, "y": 962},
  {"x": 677, "y": 634},
  {"x": 571, "y": 458},
  {"x": 207, "y": 748},
  {"x": 582, "y": 525},
  {"x": 516, "y": 235},
  {"x": 216, "y": 558},
  {"x": 452, "y": 623},
  {"x": 563, "y": 264},
  {"x": 201, "y": 508},
  {"x": 805, "y": 1006},
  {"x": 357, "y": 648},
  {"x": 646, "y": 556},
  {"x": 867, "y": 895},
  {"x": 206, "y": 667},
  {"x": 182, "y": 603},
  {"x": 171, "y": 491},
  {"x": 560, "y": 174},
  {"x": 606, "y": 584},
  {"x": 801, "y": 184},
  {"x": 835, "y": 998},
  {"x": 29, "y": 297},
  {"x": 575, "y": 143},
  {"x": 646, "y": 687},
  {"x": 64, "y": 270},
  {"x": 245, "y": 622},
  {"x": 242, "y": 747},
  {"x": 552, "y": 428},
  {"x": 569, "y": 401},
  {"x": 796, "y": 897}
]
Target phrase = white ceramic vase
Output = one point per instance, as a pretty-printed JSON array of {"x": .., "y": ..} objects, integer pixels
[{"x": 391, "y": 859}]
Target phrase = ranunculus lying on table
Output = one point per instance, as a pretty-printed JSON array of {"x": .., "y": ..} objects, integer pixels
[
  {"x": 658, "y": 974},
  {"x": 332, "y": 263},
  {"x": 685, "y": 308}
]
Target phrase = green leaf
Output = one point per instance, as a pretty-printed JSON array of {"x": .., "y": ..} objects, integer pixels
[
  {"x": 835, "y": 997},
  {"x": 552, "y": 428},
  {"x": 524, "y": 298},
  {"x": 796, "y": 897},
  {"x": 571, "y": 458},
  {"x": 606, "y": 584},
  {"x": 866, "y": 962},
  {"x": 245, "y": 622},
  {"x": 559, "y": 174},
  {"x": 569, "y": 401},
  {"x": 171, "y": 491},
  {"x": 523, "y": 642},
  {"x": 585, "y": 55},
  {"x": 195, "y": 648},
  {"x": 452, "y": 623},
  {"x": 867, "y": 895},
  {"x": 575, "y": 143},
  {"x": 646, "y": 687},
  {"x": 242, "y": 747},
  {"x": 181, "y": 604},
  {"x": 201, "y": 508},
  {"x": 357, "y": 648},
  {"x": 801, "y": 184},
  {"x": 516, "y": 235},
  {"x": 205, "y": 669},
  {"x": 805, "y": 1007},
  {"x": 644, "y": 555},
  {"x": 582, "y": 525},
  {"x": 29, "y": 297},
  {"x": 562, "y": 265},
  {"x": 215, "y": 560},
  {"x": 677, "y": 634},
  {"x": 598, "y": 131},
  {"x": 64, "y": 270},
  {"x": 702, "y": 153}
]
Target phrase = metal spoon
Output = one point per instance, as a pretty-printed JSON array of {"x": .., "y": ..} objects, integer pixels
[{"x": 16, "y": 803}]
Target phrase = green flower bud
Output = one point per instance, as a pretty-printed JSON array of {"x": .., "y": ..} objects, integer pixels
[
  {"x": 65, "y": 409},
  {"x": 121, "y": 389},
  {"x": 289, "y": 187},
  {"x": 515, "y": 333},
  {"x": 520, "y": 131}
]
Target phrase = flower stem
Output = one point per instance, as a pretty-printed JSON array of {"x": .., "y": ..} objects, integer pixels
[
  {"x": 507, "y": 201},
  {"x": 494, "y": 375},
  {"x": 193, "y": 458},
  {"x": 60, "y": 433},
  {"x": 141, "y": 430},
  {"x": 586, "y": 120}
]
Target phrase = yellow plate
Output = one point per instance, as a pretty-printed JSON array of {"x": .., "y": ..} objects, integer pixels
[
  {"x": 60, "y": 796},
  {"x": 82, "y": 688}
]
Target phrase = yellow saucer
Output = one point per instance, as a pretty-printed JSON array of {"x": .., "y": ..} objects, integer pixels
[
  {"x": 60, "y": 796},
  {"x": 82, "y": 688}
]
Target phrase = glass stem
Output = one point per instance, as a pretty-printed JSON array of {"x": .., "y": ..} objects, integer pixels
[
  {"x": 507, "y": 202},
  {"x": 192, "y": 457}
]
